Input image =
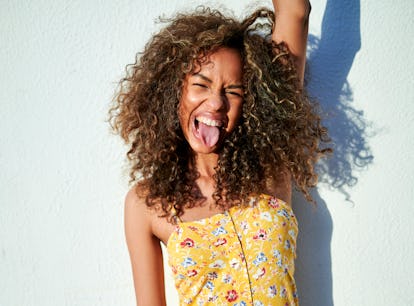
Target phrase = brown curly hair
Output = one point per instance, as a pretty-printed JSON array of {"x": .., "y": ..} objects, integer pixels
[{"x": 279, "y": 130}]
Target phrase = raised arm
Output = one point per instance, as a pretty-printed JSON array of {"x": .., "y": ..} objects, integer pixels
[
  {"x": 145, "y": 252},
  {"x": 291, "y": 27}
]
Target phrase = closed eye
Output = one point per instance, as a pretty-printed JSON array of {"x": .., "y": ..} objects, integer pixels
[
  {"x": 234, "y": 93},
  {"x": 200, "y": 85}
]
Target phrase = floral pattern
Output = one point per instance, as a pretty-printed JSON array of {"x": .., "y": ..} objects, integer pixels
[{"x": 242, "y": 257}]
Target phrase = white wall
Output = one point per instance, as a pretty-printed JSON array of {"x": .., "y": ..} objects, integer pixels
[{"x": 62, "y": 182}]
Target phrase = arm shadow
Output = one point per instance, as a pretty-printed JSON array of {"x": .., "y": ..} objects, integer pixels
[
  {"x": 330, "y": 58},
  {"x": 313, "y": 263}
]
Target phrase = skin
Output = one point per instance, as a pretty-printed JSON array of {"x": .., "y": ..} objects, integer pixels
[
  {"x": 214, "y": 92},
  {"x": 214, "y": 97},
  {"x": 292, "y": 27}
]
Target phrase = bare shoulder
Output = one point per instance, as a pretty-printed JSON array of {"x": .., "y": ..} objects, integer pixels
[
  {"x": 135, "y": 199},
  {"x": 280, "y": 186},
  {"x": 144, "y": 249},
  {"x": 137, "y": 193},
  {"x": 137, "y": 217},
  {"x": 136, "y": 211}
]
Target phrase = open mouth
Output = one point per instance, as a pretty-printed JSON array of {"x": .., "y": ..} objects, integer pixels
[
  {"x": 208, "y": 130},
  {"x": 209, "y": 122}
]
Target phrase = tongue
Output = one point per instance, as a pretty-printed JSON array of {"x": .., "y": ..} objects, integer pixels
[{"x": 209, "y": 134}]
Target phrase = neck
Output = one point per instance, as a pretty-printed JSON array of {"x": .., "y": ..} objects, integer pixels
[{"x": 205, "y": 164}]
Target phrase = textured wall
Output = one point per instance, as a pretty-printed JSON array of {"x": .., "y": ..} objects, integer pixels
[{"x": 62, "y": 183}]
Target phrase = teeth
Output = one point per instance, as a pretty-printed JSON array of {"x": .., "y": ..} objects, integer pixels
[{"x": 209, "y": 122}]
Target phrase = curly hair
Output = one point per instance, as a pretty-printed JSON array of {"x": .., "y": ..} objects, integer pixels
[{"x": 280, "y": 128}]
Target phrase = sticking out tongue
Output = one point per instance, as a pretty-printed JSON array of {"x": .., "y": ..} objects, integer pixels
[{"x": 209, "y": 134}]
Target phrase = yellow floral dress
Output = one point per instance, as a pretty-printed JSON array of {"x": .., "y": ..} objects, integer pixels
[{"x": 244, "y": 256}]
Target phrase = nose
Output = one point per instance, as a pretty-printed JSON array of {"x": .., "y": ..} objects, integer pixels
[{"x": 217, "y": 101}]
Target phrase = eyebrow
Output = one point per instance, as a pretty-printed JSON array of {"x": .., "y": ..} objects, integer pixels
[
  {"x": 203, "y": 77},
  {"x": 233, "y": 86}
]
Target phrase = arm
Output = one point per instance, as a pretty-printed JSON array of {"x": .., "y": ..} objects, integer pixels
[
  {"x": 291, "y": 27},
  {"x": 145, "y": 252}
]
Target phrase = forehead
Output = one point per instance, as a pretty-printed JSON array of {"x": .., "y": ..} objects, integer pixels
[{"x": 224, "y": 63}]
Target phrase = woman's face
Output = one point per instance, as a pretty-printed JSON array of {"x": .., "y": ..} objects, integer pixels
[{"x": 211, "y": 101}]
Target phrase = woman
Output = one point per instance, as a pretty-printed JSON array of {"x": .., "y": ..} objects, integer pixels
[{"x": 219, "y": 127}]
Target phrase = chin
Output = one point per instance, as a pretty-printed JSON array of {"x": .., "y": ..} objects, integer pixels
[{"x": 201, "y": 149}]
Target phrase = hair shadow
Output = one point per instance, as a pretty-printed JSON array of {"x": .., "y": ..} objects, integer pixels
[{"x": 330, "y": 59}]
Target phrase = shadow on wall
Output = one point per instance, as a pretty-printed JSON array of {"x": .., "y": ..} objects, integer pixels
[{"x": 330, "y": 60}]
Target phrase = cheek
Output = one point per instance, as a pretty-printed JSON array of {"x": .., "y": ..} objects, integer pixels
[
  {"x": 188, "y": 103},
  {"x": 234, "y": 115},
  {"x": 184, "y": 111}
]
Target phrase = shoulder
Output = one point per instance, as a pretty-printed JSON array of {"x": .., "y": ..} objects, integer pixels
[
  {"x": 280, "y": 186},
  {"x": 137, "y": 215},
  {"x": 135, "y": 197},
  {"x": 144, "y": 249}
]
